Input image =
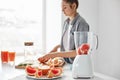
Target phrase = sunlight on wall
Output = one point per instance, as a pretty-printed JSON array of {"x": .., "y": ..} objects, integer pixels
[{"x": 20, "y": 21}]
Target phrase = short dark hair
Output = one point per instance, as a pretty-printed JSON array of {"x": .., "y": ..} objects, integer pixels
[{"x": 72, "y": 1}]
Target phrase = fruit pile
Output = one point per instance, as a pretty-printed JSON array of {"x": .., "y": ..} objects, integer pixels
[
  {"x": 83, "y": 49},
  {"x": 43, "y": 71},
  {"x": 51, "y": 68},
  {"x": 56, "y": 62}
]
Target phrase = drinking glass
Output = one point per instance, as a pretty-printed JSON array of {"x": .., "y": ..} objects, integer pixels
[
  {"x": 4, "y": 56},
  {"x": 12, "y": 57},
  {"x": 4, "y": 51}
]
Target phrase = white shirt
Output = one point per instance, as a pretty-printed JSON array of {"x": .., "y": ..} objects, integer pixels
[{"x": 66, "y": 39}]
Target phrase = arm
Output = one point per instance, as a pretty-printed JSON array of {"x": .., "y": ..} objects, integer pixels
[
  {"x": 61, "y": 54},
  {"x": 57, "y": 54}
]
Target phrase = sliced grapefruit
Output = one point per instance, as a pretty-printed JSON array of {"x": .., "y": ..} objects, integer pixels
[
  {"x": 83, "y": 49},
  {"x": 56, "y": 71},
  {"x": 55, "y": 62},
  {"x": 30, "y": 70},
  {"x": 38, "y": 73},
  {"x": 44, "y": 69},
  {"x": 50, "y": 74}
]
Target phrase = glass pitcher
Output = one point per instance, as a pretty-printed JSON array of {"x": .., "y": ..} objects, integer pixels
[{"x": 85, "y": 37}]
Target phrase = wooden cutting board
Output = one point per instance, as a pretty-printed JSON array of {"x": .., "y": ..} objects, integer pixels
[{"x": 22, "y": 65}]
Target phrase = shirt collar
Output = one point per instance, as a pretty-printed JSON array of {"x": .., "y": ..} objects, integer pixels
[{"x": 74, "y": 20}]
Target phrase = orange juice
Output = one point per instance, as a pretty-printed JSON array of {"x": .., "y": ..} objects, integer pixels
[
  {"x": 4, "y": 56},
  {"x": 11, "y": 56}
]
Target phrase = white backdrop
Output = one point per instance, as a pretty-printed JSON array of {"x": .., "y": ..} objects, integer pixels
[
  {"x": 53, "y": 23},
  {"x": 109, "y": 49}
]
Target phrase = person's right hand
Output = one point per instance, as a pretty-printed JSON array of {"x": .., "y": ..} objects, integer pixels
[
  {"x": 46, "y": 57},
  {"x": 42, "y": 59}
]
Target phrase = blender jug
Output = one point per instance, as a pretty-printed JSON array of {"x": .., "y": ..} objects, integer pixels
[{"x": 82, "y": 65}]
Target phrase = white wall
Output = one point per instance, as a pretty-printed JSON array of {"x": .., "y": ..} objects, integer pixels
[
  {"x": 53, "y": 23},
  {"x": 109, "y": 39}
]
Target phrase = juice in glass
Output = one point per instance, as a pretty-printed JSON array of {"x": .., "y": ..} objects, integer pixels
[
  {"x": 4, "y": 56},
  {"x": 11, "y": 56}
]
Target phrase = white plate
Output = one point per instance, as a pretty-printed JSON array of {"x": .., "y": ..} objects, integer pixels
[{"x": 43, "y": 78}]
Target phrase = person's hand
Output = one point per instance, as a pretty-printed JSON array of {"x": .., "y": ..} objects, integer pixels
[
  {"x": 46, "y": 57},
  {"x": 42, "y": 59}
]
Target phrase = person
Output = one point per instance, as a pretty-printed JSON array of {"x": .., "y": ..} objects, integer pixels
[{"x": 73, "y": 23}]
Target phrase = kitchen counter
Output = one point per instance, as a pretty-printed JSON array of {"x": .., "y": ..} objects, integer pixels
[{"x": 10, "y": 73}]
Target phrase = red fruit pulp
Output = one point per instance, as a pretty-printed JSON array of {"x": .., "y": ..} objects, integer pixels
[
  {"x": 30, "y": 70},
  {"x": 85, "y": 46},
  {"x": 83, "y": 49},
  {"x": 39, "y": 73},
  {"x": 55, "y": 71}
]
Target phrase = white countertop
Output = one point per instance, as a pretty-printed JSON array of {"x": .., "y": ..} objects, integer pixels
[{"x": 10, "y": 73}]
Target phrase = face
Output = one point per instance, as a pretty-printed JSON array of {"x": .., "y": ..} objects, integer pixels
[{"x": 67, "y": 8}]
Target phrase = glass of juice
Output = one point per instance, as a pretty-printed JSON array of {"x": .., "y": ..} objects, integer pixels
[
  {"x": 11, "y": 57},
  {"x": 4, "y": 56}
]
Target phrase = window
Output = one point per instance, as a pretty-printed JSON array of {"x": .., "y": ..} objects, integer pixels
[
  {"x": 30, "y": 20},
  {"x": 20, "y": 21}
]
